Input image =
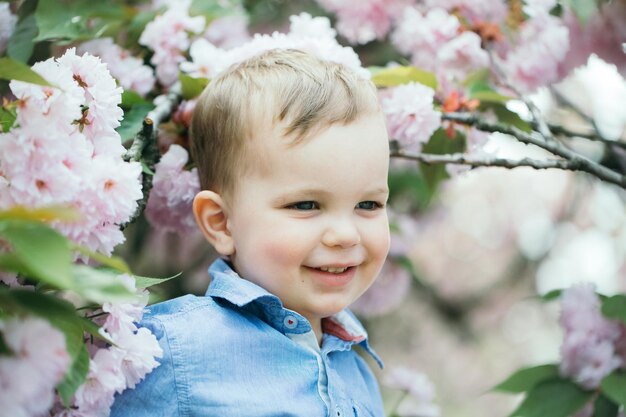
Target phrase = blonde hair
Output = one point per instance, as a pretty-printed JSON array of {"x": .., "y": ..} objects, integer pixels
[{"x": 289, "y": 89}]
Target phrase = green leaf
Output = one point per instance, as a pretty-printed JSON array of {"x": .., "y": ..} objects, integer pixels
[
  {"x": 72, "y": 20},
  {"x": 7, "y": 119},
  {"x": 408, "y": 185},
  {"x": 43, "y": 253},
  {"x": 146, "y": 282},
  {"x": 192, "y": 87},
  {"x": 614, "y": 387},
  {"x": 440, "y": 144},
  {"x": 490, "y": 96},
  {"x": 101, "y": 285},
  {"x": 75, "y": 376},
  {"x": 553, "y": 398},
  {"x": 506, "y": 116},
  {"x": 391, "y": 77},
  {"x": 131, "y": 98},
  {"x": 21, "y": 44},
  {"x": 133, "y": 120},
  {"x": 113, "y": 262},
  {"x": 615, "y": 307},
  {"x": 43, "y": 214},
  {"x": 11, "y": 69},
  {"x": 583, "y": 9},
  {"x": 525, "y": 379},
  {"x": 552, "y": 295},
  {"x": 603, "y": 407}
]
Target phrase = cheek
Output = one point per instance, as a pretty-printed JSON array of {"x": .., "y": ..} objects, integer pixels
[{"x": 283, "y": 247}]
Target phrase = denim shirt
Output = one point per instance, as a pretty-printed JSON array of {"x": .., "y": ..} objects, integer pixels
[{"x": 237, "y": 352}]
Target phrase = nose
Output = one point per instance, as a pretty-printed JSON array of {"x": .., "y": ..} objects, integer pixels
[{"x": 341, "y": 233}]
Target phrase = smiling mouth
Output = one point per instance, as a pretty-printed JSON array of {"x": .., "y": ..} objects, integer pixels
[{"x": 333, "y": 269}]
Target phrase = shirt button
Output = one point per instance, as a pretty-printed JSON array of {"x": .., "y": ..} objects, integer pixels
[{"x": 290, "y": 322}]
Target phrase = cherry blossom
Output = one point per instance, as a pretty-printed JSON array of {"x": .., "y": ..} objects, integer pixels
[
  {"x": 588, "y": 349},
  {"x": 130, "y": 71},
  {"x": 169, "y": 205},
  {"x": 168, "y": 37},
  {"x": 420, "y": 389},
  {"x": 37, "y": 363},
  {"x": 411, "y": 119}
]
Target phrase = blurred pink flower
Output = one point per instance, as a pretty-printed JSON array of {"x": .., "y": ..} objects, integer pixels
[
  {"x": 104, "y": 379},
  {"x": 420, "y": 389},
  {"x": 38, "y": 362},
  {"x": 138, "y": 350},
  {"x": 475, "y": 11},
  {"x": 130, "y": 71},
  {"x": 167, "y": 35},
  {"x": 173, "y": 190},
  {"x": 7, "y": 24},
  {"x": 541, "y": 46},
  {"x": 462, "y": 55},
  {"x": 588, "y": 350},
  {"x": 365, "y": 21},
  {"x": 386, "y": 293},
  {"x": 411, "y": 118},
  {"x": 228, "y": 32}
]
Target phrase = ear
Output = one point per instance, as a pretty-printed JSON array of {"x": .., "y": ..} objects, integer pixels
[{"x": 212, "y": 218}]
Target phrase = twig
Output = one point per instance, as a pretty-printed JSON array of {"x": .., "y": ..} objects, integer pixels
[
  {"x": 462, "y": 159},
  {"x": 577, "y": 162}
]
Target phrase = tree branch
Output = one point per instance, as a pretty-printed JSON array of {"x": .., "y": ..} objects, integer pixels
[
  {"x": 577, "y": 162},
  {"x": 144, "y": 147},
  {"x": 462, "y": 159}
]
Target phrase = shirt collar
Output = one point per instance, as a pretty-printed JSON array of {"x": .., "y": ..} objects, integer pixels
[{"x": 228, "y": 285}]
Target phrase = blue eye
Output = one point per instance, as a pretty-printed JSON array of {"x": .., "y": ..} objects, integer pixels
[
  {"x": 368, "y": 205},
  {"x": 304, "y": 205}
]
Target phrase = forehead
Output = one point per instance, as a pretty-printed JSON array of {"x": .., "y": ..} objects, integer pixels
[{"x": 348, "y": 155}]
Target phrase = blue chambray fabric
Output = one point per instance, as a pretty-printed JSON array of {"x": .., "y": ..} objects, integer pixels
[{"x": 229, "y": 354}]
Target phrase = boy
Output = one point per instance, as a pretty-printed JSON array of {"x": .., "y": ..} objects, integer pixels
[{"x": 292, "y": 154}]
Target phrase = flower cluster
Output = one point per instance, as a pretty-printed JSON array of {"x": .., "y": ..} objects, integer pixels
[
  {"x": 168, "y": 37},
  {"x": 593, "y": 346},
  {"x": 114, "y": 368},
  {"x": 37, "y": 362},
  {"x": 411, "y": 118},
  {"x": 310, "y": 34},
  {"x": 364, "y": 21},
  {"x": 7, "y": 24},
  {"x": 169, "y": 205},
  {"x": 130, "y": 71},
  {"x": 64, "y": 150},
  {"x": 436, "y": 41}
]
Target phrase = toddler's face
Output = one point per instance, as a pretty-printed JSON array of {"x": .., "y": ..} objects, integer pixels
[{"x": 313, "y": 228}]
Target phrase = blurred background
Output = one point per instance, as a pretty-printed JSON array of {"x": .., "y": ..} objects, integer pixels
[{"x": 461, "y": 303}]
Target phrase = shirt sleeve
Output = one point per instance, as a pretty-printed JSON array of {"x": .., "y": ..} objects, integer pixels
[{"x": 157, "y": 394}]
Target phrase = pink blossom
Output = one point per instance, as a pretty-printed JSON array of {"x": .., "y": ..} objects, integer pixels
[
  {"x": 411, "y": 118},
  {"x": 588, "y": 350},
  {"x": 104, "y": 379},
  {"x": 365, "y": 21},
  {"x": 122, "y": 315},
  {"x": 127, "y": 69},
  {"x": 386, "y": 293},
  {"x": 38, "y": 362},
  {"x": 60, "y": 154},
  {"x": 138, "y": 351},
  {"x": 462, "y": 55},
  {"x": 169, "y": 205},
  {"x": 306, "y": 25},
  {"x": 167, "y": 36},
  {"x": 7, "y": 24},
  {"x": 476, "y": 11},
  {"x": 542, "y": 44},
  {"x": 420, "y": 389},
  {"x": 423, "y": 35},
  {"x": 208, "y": 60},
  {"x": 228, "y": 32}
]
